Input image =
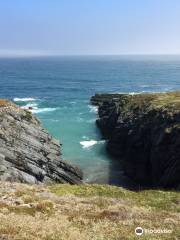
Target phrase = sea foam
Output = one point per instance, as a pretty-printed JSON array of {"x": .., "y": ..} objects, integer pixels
[
  {"x": 43, "y": 110},
  {"x": 87, "y": 144},
  {"x": 33, "y": 105},
  {"x": 24, "y": 99},
  {"x": 90, "y": 143},
  {"x": 93, "y": 109}
]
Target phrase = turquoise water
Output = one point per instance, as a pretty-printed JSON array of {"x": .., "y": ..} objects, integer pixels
[{"x": 59, "y": 90}]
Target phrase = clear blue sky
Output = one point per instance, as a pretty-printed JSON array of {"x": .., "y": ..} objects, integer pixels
[{"x": 78, "y": 27}]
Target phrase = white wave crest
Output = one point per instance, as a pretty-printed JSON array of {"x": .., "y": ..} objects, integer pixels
[
  {"x": 90, "y": 143},
  {"x": 87, "y": 144},
  {"x": 43, "y": 110},
  {"x": 33, "y": 105},
  {"x": 93, "y": 109},
  {"x": 30, "y": 106},
  {"x": 24, "y": 99}
]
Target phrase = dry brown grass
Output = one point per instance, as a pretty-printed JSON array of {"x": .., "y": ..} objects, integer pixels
[
  {"x": 4, "y": 102},
  {"x": 65, "y": 212}
]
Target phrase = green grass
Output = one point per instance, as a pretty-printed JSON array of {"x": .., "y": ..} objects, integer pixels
[
  {"x": 159, "y": 200},
  {"x": 89, "y": 190},
  {"x": 86, "y": 212}
]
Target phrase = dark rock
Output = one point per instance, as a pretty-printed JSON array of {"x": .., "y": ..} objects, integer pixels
[
  {"x": 28, "y": 153},
  {"x": 143, "y": 131}
]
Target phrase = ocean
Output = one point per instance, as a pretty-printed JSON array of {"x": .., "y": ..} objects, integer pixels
[{"x": 59, "y": 90}]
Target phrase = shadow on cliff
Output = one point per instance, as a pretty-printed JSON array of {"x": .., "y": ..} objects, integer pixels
[{"x": 117, "y": 177}]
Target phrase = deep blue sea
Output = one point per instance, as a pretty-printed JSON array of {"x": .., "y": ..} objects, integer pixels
[{"x": 59, "y": 90}]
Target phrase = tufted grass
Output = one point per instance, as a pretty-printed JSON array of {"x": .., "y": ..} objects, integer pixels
[{"x": 85, "y": 212}]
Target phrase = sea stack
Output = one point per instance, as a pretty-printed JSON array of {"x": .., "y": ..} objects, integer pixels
[
  {"x": 28, "y": 153},
  {"x": 143, "y": 131}
]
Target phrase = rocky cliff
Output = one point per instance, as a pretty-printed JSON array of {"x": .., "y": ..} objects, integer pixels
[
  {"x": 28, "y": 153},
  {"x": 143, "y": 131}
]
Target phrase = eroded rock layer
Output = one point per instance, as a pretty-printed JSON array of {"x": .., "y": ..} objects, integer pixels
[{"x": 28, "y": 153}]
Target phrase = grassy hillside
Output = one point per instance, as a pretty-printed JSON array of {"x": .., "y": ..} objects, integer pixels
[{"x": 85, "y": 212}]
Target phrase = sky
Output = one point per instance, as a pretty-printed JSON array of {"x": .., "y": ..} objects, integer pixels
[{"x": 89, "y": 27}]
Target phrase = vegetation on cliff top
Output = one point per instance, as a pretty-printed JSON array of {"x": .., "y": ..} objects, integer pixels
[
  {"x": 62, "y": 212},
  {"x": 169, "y": 100},
  {"x": 4, "y": 103},
  {"x": 152, "y": 100}
]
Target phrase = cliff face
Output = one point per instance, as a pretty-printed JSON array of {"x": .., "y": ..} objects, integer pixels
[
  {"x": 28, "y": 153},
  {"x": 143, "y": 131}
]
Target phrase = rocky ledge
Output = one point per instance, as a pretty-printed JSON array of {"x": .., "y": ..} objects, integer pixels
[
  {"x": 143, "y": 131},
  {"x": 28, "y": 153}
]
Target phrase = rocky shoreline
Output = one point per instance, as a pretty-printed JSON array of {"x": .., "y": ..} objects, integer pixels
[
  {"x": 143, "y": 131},
  {"x": 28, "y": 153}
]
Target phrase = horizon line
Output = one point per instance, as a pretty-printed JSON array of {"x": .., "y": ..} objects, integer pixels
[{"x": 85, "y": 55}]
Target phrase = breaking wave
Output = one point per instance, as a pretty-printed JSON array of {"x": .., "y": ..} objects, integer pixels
[
  {"x": 93, "y": 109},
  {"x": 24, "y": 99},
  {"x": 42, "y": 110},
  {"x": 90, "y": 143}
]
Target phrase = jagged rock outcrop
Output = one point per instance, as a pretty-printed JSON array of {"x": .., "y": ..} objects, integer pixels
[
  {"x": 143, "y": 130},
  {"x": 28, "y": 153}
]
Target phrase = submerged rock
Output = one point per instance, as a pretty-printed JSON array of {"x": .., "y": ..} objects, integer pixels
[
  {"x": 143, "y": 130},
  {"x": 28, "y": 153}
]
